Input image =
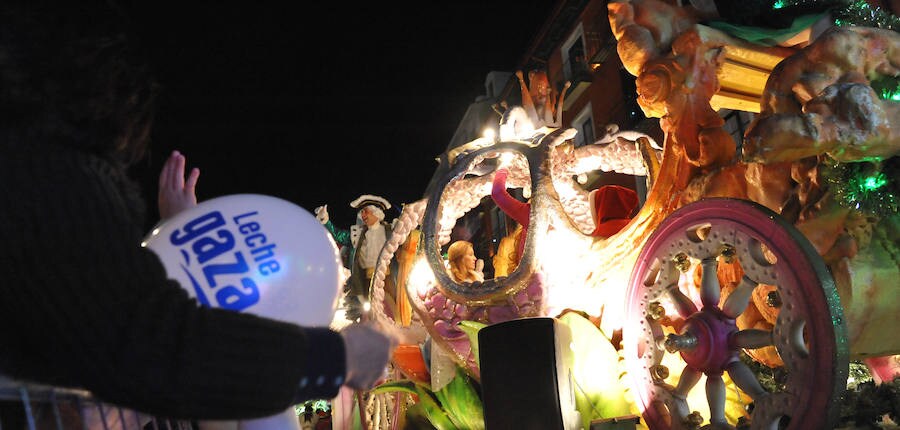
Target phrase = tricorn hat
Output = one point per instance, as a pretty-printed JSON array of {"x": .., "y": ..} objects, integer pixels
[{"x": 368, "y": 199}]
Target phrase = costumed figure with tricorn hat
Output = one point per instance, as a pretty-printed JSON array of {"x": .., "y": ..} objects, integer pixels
[{"x": 365, "y": 240}]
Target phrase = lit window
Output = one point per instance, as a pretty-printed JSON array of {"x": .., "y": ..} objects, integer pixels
[
  {"x": 573, "y": 55},
  {"x": 584, "y": 123}
]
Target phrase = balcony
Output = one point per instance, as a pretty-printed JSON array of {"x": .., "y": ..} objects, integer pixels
[{"x": 607, "y": 48}]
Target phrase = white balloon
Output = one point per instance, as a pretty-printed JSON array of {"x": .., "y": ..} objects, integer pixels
[
  {"x": 253, "y": 253},
  {"x": 257, "y": 254},
  {"x": 286, "y": 420}
]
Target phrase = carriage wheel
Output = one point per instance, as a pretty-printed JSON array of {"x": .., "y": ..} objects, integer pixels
[{"x": 809, "y": 333}]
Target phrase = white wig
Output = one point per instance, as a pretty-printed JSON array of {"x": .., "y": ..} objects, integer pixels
[{"x": 376, "y": 211}]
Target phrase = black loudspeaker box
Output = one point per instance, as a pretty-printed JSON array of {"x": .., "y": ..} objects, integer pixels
[{"x": 526, "y": 376}]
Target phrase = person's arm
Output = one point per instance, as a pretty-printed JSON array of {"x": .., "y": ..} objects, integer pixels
[
  {"x": 523, "y": 88},
  {"x": 519, "y": 211},
  {"x": 341, "y": 236},
  {"x": 527, "y": 101},
  {"x": 84, "y": 305},
  {"x": 558, "y": 113}
]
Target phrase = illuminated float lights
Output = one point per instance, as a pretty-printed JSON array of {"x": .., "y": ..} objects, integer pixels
[{"x": 869, "y": 187}]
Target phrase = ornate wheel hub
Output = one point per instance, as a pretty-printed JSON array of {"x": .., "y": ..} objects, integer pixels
[{"x": 705, "y": 341}]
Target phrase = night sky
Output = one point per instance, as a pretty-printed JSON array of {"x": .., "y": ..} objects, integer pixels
[{"x": 253, "y": 95}]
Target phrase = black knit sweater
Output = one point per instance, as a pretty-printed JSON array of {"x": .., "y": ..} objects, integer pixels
[{"x": 83, "y": 305}]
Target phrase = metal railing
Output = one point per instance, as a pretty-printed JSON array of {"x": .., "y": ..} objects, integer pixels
[{"x": 40, "y": 407}]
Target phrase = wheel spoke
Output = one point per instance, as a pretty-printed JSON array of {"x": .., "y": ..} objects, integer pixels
[
  {"x": 752, "y": 338},
  {"x": 683, "y": 304},
  {"x": 689, "y": 378},
  {"x": 744, "y": 378},
  {"x": 715, "y": 395},
  {"x": 709, "y": 283},
  {"x": 738, "y": 300}
]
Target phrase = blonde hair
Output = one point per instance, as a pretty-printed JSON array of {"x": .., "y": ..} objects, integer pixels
[
  {"x": 507, "y": 257},
  {"x": 458, "y": 271}
]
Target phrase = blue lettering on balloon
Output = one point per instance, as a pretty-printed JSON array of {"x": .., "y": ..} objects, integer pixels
[
  {"x": 261, "y": 250},
  {"x": 237, "y": 299},
  {"x": 237, "y": 219},
  {"x": 249, "y": 228},
  {"x": 217, "y": 269},
  {"x": 197, "y": 227},
  {"x": 206, "y": 248},
  {"x": 207, "y": 239},
  {"x": 268, "y": 267},
  {"x": 255, "y": 240},
  {"x": 197, "y": 288}
]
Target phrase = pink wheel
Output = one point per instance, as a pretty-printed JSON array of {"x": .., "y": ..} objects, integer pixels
[{"x": 809, "y": 334}]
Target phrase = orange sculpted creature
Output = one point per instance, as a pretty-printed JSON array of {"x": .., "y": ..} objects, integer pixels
[{"x": 538, "y": 101}]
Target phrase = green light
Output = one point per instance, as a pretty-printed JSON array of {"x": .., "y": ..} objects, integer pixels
[
  {"x": 869, "y": 187},
  {"x": 890, "y": 90},
  {"x": 778, "y": 4},
  {"x": 887, "y": 94},
  {"x": 872, "y": 183}
]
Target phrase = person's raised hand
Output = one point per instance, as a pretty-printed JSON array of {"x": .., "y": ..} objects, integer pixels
[
  {"x": 479, "y": 270},
  {"x": 368, "y": 349},
  {"x": 322, "y": 214},
  {"x": 176, "y": 193}
]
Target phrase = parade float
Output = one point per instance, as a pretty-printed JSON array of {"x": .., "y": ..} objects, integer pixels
[{"x": 777, "y": 255}]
